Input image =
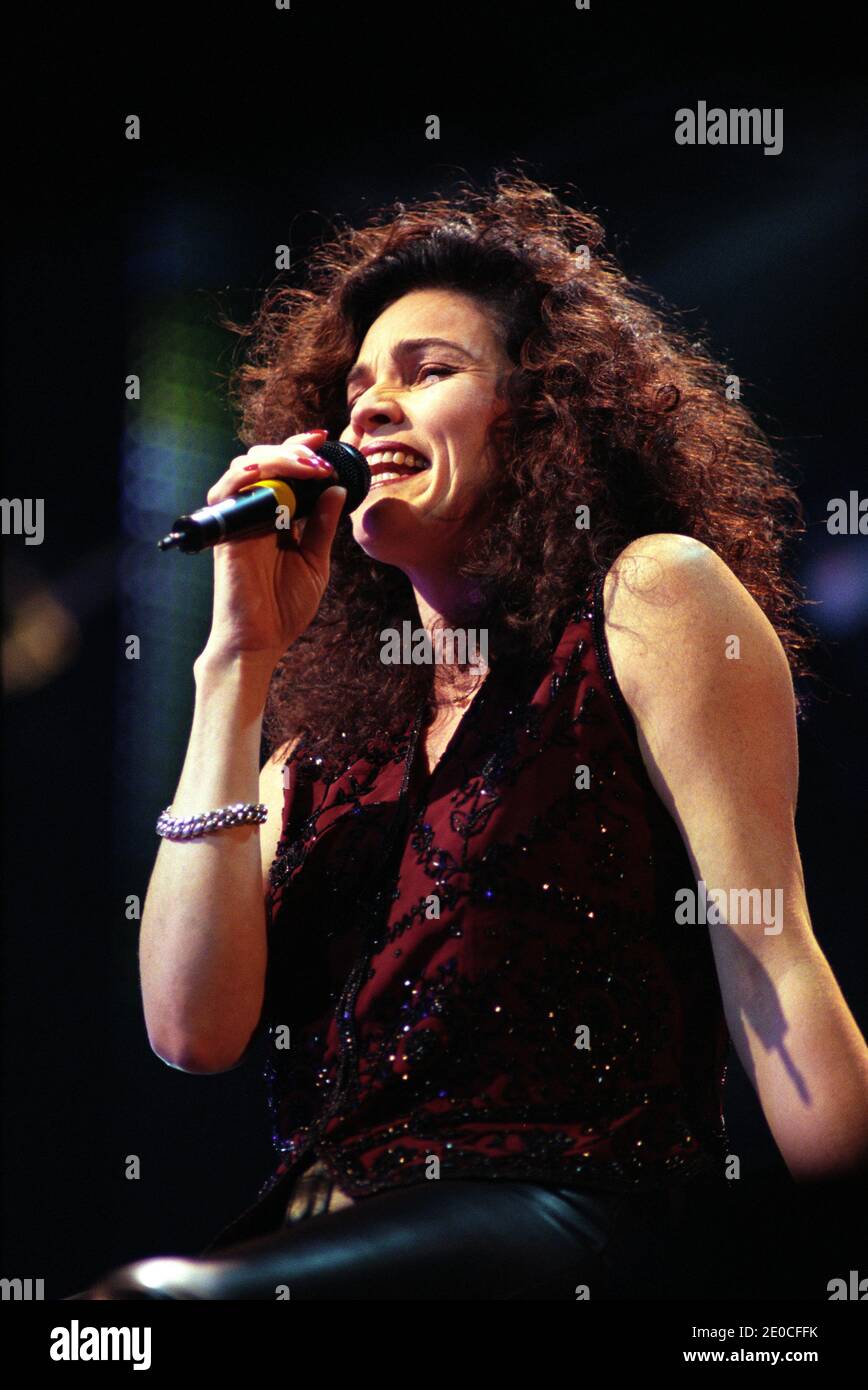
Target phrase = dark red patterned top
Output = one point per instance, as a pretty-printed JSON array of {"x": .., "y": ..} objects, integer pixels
[{"x": 519, "y": 1001}]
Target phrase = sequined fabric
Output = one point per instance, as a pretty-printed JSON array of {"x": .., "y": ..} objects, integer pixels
[{"x": 506, "y": 993}]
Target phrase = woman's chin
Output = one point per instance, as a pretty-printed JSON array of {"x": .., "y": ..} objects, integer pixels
[{"x": 385, "y": 529}]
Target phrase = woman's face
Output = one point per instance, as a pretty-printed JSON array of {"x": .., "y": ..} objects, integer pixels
[{"x": 438, "y": 400}]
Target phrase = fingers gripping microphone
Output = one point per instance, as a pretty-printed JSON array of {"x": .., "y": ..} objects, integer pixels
[{"x": 253, "y": 510}]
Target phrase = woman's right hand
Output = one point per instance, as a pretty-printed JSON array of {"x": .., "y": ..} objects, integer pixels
[{"x": 266, "y": 595}]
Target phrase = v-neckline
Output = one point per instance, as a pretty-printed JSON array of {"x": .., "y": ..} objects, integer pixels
[{"x": 417, "y": 763}]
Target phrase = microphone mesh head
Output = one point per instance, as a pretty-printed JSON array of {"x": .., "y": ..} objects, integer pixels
[{"x": 352, "y": 469}]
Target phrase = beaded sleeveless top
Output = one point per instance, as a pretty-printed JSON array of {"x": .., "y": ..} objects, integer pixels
[{"x": 478, "y": 973}]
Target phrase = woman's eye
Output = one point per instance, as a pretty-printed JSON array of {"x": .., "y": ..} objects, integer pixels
[
  {"x": 427, "y": 370},
  {"x": 441, "y": 371}
]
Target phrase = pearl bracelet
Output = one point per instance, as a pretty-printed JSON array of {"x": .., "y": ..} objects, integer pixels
[{"x": 189, "y": 827}]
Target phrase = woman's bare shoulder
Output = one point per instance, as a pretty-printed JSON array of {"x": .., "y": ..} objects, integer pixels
[{"x": 676, "y": 612}]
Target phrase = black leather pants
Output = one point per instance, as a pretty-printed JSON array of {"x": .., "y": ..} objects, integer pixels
[{"x": 464, "y": 1239}]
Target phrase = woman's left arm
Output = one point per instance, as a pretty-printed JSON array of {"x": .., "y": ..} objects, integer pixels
[{"x": 709, "y": 687}]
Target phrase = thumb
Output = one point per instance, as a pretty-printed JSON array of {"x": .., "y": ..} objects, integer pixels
[{"x": 321, "y": 525}]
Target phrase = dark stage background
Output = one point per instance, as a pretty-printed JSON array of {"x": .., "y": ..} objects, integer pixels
[{"x": 258, "y": 126}]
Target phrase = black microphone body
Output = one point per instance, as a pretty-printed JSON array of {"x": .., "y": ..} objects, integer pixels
[{"x": 253, "y": 511}]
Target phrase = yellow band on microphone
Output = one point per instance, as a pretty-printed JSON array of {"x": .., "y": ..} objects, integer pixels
[{"x": 281, "y": 489}]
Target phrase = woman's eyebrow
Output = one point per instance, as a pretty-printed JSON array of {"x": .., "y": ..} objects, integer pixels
[{"x": 403, "y": 348}]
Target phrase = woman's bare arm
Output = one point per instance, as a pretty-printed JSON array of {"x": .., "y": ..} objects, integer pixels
[
  {"x": 202, "y": 946},
  {"x": 716, "y": 722},
  {"x": 203, "y": 942}
]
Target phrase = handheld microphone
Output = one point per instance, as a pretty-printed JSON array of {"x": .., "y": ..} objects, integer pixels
[{"x": 252, "y": 511}]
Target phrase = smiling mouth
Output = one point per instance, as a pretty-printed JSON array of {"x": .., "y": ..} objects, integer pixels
[{"x": 387, "y": 476}]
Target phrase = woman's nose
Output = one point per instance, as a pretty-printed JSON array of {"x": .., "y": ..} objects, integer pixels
[{"x": 366, "y": 414}]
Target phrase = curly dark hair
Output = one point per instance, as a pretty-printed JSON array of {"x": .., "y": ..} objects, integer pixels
[{"x": 611, "y": 405}]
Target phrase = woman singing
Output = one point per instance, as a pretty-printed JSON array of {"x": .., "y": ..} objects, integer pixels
[{"x": 507, "y": 907}]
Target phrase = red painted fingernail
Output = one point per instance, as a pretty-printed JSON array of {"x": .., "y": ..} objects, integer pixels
[
  {"x": 322, "y": 463},
  {"x": 249, "y": 467}
]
